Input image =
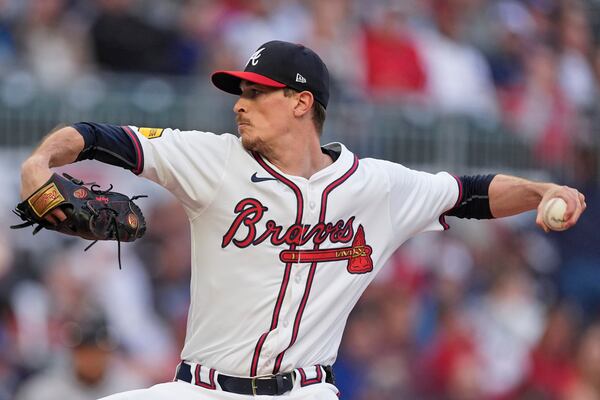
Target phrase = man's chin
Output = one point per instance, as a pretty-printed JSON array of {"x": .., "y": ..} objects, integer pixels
[
  {"x": 254, "y": 144},
  {"x": 248, "y": 144}
]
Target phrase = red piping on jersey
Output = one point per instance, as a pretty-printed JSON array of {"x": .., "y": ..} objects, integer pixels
[
  {"x": 308, "y": 382},
  {"x": 458, "y": 201},
  {"x": 313, "y": 267},
  {"x": 211, "y": 378},
  {"x": 138, "y": 150},
  {"x": 288, "y": 266}
]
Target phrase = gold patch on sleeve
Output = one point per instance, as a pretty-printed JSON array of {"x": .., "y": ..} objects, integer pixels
[
  {"x": 151, "y": 133},
  {"x": 45, "y": 199}
]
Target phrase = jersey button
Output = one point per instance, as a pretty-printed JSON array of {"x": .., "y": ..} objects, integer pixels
[
  {"x": 312, "y": 205},
  {"x": 298, "y": 278},
  {"x": 286, "y": 323}
]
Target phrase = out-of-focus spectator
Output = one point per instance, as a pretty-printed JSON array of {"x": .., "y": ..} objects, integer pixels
[
  {"x": 540, "y": 111},
  {"x": 576, "y": 75},
  {"x": 394, "y": 368},
  {"x": 8, "y": 48},
  {"x": 439, "y": 280},
  {"x": 596, "y": 63},
  {"x": 587, "y": 383},
  {"x": 125, "y": 297},
  {"x": 507, "y": 322},
  {"x": 394, "y": 68},
  {"x": 552, "y": 370},
  {"x": 10, "y": 375},
  {"x": 90, "y": 370},
  {"x": 257, "y": 22},
  {"x": 165, "y": 252},
  {"x": 361, "y": 345},
  {"x": 334, "y": 34},
  {"x": 124, "y": 42},
  {"x": 451, "y": 367},
  {"x": 54, "y": 42},
  {"x": 458, "y": 76},
  {"x": 544, "y": 13},
  {"x": 201, "y": 22},
  {"x": 512, "y": 27}
]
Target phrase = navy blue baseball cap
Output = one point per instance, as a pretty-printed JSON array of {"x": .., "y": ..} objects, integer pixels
[{"x": 280, "y": 64}]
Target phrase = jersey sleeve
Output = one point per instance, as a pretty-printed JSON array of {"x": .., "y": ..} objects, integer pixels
[
  {"x": 418, "y": 200},
  {"x": 190, "y": 164}
]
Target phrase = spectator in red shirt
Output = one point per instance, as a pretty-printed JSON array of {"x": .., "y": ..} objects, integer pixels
[
  {"x": 393, "y": 62},
  {"x": 552, "y": 364}
]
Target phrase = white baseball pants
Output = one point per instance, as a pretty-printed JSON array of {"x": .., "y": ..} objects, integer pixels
[{"x": 185, "y": 391}]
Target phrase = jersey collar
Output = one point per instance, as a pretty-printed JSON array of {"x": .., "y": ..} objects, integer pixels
[{"x": 329, "y": 173}]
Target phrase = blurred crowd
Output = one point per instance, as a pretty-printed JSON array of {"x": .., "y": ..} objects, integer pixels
[
  {"x": 531, "y": 64},
  {"x": 496, "y": 311}
]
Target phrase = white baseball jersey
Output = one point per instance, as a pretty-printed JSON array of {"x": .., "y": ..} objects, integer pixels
[{"x": 279, "y": 261}]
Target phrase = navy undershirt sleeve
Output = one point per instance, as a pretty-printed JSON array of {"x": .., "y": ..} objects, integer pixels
[
  {"x": 475, "y": 200},
  {"x": 110, "y": 144}
]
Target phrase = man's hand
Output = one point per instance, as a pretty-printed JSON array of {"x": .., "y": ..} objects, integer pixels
[
  {"x": 575, "y": 205},
  {"x": 34, "y": 173}
]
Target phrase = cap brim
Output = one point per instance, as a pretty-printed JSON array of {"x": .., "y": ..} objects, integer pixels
[{"x": 229, "y": 81}]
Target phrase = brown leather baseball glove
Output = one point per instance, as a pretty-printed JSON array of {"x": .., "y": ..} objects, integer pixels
[{"x": 92, "y": 213}]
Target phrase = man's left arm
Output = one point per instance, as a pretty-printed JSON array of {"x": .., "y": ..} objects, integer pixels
[{"x": 509, "y": 195}]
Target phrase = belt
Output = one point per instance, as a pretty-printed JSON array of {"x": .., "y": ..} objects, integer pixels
[{"x": 270, "y": 385}]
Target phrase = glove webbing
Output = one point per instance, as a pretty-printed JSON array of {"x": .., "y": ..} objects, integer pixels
[{"x": 113, "y": 221}]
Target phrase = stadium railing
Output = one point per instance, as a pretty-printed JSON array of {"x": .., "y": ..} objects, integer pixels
[{"x": 399, "y": 132}]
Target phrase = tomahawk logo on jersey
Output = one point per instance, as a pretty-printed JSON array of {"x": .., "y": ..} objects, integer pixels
[{"x": 295, "y": 253}]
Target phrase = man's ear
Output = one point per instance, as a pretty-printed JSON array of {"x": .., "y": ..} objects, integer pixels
[{"x": 305, "y": 101}]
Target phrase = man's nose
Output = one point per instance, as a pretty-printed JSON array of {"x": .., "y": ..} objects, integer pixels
[{"x": 239, "y": 106}]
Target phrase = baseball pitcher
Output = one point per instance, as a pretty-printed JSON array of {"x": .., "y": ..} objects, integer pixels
[{"x": 286, "y": 233}]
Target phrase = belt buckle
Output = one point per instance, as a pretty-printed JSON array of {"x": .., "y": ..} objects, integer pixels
[
  {"x": 256, "y": 378},
  {"x": 253, "y": 382}
]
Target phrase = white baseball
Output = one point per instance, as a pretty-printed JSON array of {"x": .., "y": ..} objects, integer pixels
[{"x": 554, "y": 214}]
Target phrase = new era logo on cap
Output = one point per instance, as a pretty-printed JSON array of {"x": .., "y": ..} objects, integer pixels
[
  {"x": 300, "y": 78},
  {"x": 280, "y": 64}
]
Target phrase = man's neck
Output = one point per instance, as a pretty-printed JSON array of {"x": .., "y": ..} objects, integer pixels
[{"x": 300, "y": 158}]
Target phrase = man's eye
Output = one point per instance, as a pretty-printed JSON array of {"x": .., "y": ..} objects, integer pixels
[{"x": 252, "y": 93}]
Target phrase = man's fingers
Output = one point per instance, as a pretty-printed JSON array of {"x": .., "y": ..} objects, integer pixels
[
  {"x": 582, "y": 201},
  {"x": 55, "y": 216},
  {"x": 577, "y": 205},
  {"x": 60, "y": 214},
  {"x": 540, "y": 221},
  {"x": 575, "y": 217},
  {"x": 571, "y": 197},
  {"x": 543, "y": 226}
]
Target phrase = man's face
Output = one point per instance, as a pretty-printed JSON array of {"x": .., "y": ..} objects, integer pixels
[
  {"x": 263, "y": 113},
  {"x": 90, "y": 363}
]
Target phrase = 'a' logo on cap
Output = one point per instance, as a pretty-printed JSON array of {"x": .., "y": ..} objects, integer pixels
[{"x": 254, "y": 57}]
